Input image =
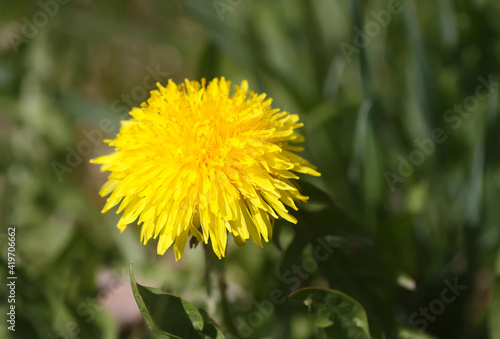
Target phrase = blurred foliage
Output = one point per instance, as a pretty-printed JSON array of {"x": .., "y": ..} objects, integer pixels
[{"x": 393, "y": 245}]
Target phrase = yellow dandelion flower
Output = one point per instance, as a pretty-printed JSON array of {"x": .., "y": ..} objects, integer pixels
[{"x": 198, "y": 160}]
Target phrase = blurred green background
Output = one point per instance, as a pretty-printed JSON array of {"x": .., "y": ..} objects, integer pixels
[{"x": 371, "y": 80}]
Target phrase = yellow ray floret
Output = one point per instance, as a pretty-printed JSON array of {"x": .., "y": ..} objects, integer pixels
[{"x": 198, "y": 160}]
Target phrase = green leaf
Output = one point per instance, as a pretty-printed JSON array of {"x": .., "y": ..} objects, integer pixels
[
  {"x": 169, "y": 316},
  {"x": 338, "y": 314},
  {"x": 210, "y": 330}
]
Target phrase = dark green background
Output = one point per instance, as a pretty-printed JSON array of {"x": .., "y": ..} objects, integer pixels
[{"x": 363, "y": 111}]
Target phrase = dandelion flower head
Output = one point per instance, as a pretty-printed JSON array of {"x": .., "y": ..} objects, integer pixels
[{"x": 205, "y": 160}]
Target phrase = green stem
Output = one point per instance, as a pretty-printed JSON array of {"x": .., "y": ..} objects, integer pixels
[{"x": 216, "y": 268}]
